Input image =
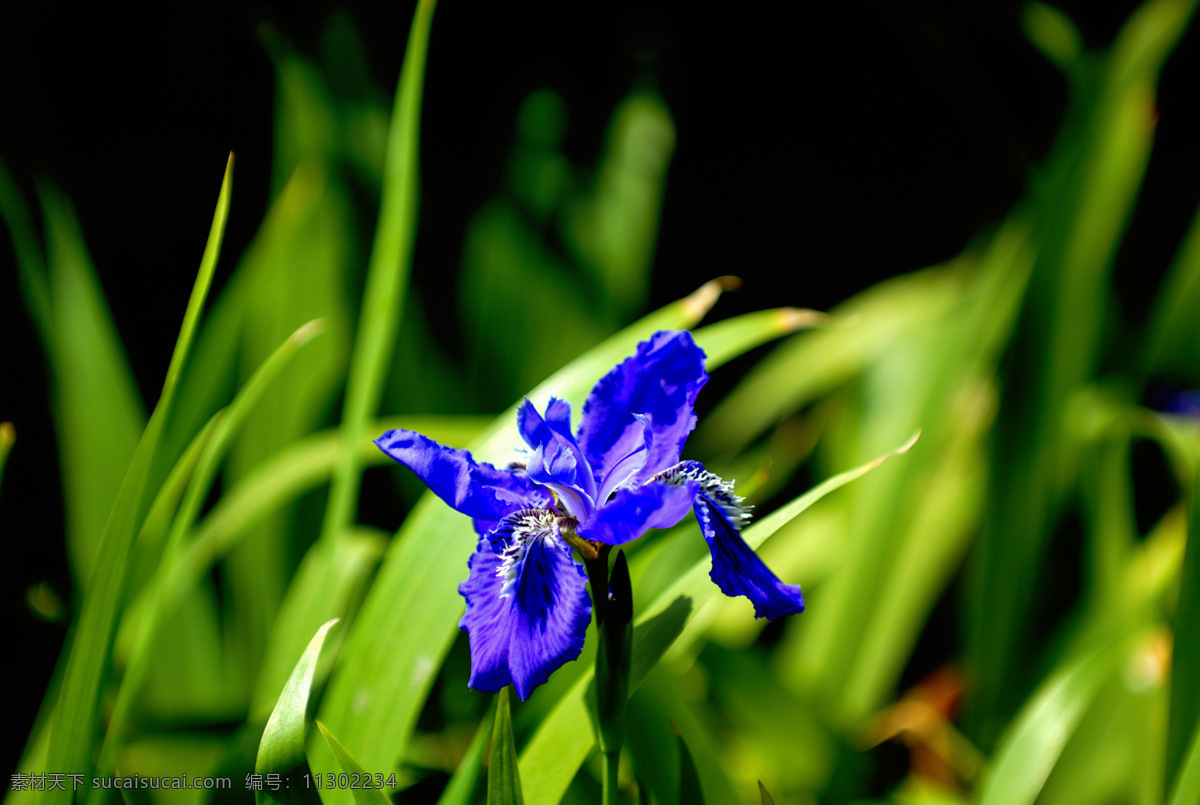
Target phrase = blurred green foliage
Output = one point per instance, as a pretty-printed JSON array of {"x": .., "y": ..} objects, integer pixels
[{"x": 190, "y": 618}]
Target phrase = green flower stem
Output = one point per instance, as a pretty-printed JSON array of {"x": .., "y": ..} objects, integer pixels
[
  {"x": 612, "y": 761},
  {"x": 613, "y": 603}
]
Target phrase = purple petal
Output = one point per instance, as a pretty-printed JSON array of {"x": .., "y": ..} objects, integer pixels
[
  {"x": 532, "y": 427},
  {"x": 736, "y": 569},
  {"x": 558, "y": 417},
  {"x": 555, "y": 459},
  {"x": 661, "y": 382},
  {"x": 527, "y": 604},
  {"x": 477, "y": 490},
  {"x": 635, "y": 444},
  {"x": 632, "y": 511}
]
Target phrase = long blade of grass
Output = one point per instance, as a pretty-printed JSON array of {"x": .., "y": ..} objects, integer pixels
[
  {"x": 31, "y": 263},
  {"x": 293, "y": 272},
  {"x": 462, "y": 783},
  {"x": 409, "y": 619},
  {"x": 92, "y": 383},
  {"x": 1035, "y": 739},
  {"x": 383, "y": 299},
  {"x": 1185, "y": 657},
  {"x": 387, "y": 272},
  {"x": 1172, "y": 333},
  {"x": 301, "y": 466},
  {"x": 71, "y": 741},
  {"x": 1187, "y": 785},
  {"x": 504, "y": 778},
  {"x": 557, "y": 749},
  {"x": 336, "y": 571},
  {"x": 728, "y": 339},
  {"x": 690, "y": 789},
  {"x": 1087, "y": 196},
  {"x": 215, "y": 449}
]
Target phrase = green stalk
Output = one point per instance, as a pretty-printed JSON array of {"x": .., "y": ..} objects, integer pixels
[
  {"x": 613, "y": 602},
  {"x": 612, "y": 761}
]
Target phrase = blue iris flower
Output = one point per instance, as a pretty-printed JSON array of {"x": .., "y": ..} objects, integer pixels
[{"x": 607, "y": 484}]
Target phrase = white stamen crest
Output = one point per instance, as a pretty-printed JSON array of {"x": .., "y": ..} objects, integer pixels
[
  {"x": 527, "y": 527},
  {"x": 716, "y": 489}
]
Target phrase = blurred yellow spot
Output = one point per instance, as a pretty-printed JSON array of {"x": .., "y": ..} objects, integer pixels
[{"x": 45, "y": 603}]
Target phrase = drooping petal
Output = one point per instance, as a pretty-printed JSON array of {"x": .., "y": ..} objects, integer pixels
[
  {"x": 736, "y": 569},
  {"x": 527, "y": 604},
  {"x": 660, "y": 381},
  {"x": 632, "y": 512},
  {"x": 477, "y": 490},
  {"x": 555, "y": 459}
]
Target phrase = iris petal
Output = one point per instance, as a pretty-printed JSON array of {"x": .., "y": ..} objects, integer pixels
[
  {"x": 477, "y": 490},
  {"x": 635, "y": 442},
  {"x": 737, "y": 570},
  {"x": 555, "y": 459},
  {"x": 632, "y": 512},
  {"x": 660, "y": 381},
  {"x": 527, "y": 604}
]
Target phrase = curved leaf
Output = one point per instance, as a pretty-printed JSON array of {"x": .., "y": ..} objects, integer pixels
[
  {"x": 281, "y": 750},
  {"x": 75, "y": 725}
]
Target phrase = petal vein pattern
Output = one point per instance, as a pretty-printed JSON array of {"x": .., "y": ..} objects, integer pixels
[{"x": 527, "y": 603}]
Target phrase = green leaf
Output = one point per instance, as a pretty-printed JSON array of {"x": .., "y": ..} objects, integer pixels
[
  {"x": 1034, "y": 740},
  {"x": 383, "y": 299},
  {"x": 854, "y": 335},
  {"x": 1186, "y": 789},
  {"x": 690, "y": 789},
  {"x": 726, "y": 340},
  {"x": 363, "y": 796},
  {"x": 557, "y": 750},
  {"x": 1086, "y": 197},
  {"x": 1172, "y": 332},
  {"x": 227, "y": 426},
  {"x": 461, "y": 788},
  {"x": 293, "y": 272},
  {"x": 339, "y": 579},
  {"x": 281, "y": 750},
  {"x": 387, "y": 272},
  {"x": 1185, "y": 658},
  {"x": 92, "y": 382},
  {"x": 295, "y": 469},
  {"x": 75, "y": 725},
  {"x": 765, "y": 795},
  {"x": 1053, "y": 33},
  {"x": 504, "y": 779}
]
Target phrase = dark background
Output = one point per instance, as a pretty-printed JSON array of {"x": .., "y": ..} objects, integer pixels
[{"x": 817, "y": 153}]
